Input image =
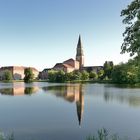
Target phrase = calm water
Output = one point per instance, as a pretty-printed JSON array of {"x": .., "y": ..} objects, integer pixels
[{"x": 43, "y": 111}]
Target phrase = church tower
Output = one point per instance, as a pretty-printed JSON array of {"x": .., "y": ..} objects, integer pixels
[{"x": 80, "y": 54}]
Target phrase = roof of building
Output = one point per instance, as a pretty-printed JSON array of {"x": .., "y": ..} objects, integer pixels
[
  {"x": 32, "y": 68},
  {"x": 62, "y": 65},
  {"x": 57, "y": 65},
  {"x": 71, "y": 59},
  {"x": 47, "y": 69}
]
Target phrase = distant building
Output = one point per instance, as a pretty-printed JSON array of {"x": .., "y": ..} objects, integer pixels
[
  {"x": 17, "y": 72},
  {"x": 44, "y": 74}
]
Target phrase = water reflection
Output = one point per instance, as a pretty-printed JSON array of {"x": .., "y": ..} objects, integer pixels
[
  {"x": 122, "y": 95},
  {"x": 71, "y": 93},
  {"x": 106, "y": 106},
  {"x": 18, "y": 91}
]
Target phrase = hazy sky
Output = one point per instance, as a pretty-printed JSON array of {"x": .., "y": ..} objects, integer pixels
[{"x": 40, "y": 33}]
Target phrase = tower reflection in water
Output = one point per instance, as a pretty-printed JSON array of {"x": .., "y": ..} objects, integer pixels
[{"x": 71, "y": 93}]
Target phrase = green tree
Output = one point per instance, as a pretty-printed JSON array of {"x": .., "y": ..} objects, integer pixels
[
  {"x": 29, "y": 76},
  {"x": 84, "y": 75},
  {"x": 7, "y": 76},
  {"x": 93, "y": 75},
  {"x": 76, "y": 75},
  {"x": 125, "y": 74},
  {"x": 69, "y": 76},
  {"x": 131, "y": 35},
  {"x": 108, "y": 67},
  {"x": 52, "y": 75},
  {"x": 60, "y": 76},
  {"x": 57, "y": 76},
  {"x": 101, "y": 74}
]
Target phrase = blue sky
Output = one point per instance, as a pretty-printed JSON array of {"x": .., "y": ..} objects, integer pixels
[{"x": 40, "y": 33}]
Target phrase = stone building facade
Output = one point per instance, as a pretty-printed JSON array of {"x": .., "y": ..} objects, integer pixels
[{"x": 17, "y": 72}]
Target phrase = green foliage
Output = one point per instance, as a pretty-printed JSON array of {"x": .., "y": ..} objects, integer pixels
[
  {"x": 125, "y": 73},
  {"x": 56, "y": 76},
  {"x": 8, "y": 137},
  {"x": 93, "y": 75},
  {"x": 108, "y": 68},
  {"x": 7, "y": 76},
  {"x": 69, "y": 76},
  {"x": 103, "y": 135},
  {"x": 101, "y": 74},
  {"x": 131, "y": 35},
  {"x": 84, "y": 75},
  {"x": 52, "y": 75},
  {"x": 29, "y": 76},
  {"x": 2, "y": 137},
  {"x": 119, "y": 74},
  {"x": 76, "y": 75},
  {"x": 11, "y": 136},
  {"x": 60, "y": 76}
]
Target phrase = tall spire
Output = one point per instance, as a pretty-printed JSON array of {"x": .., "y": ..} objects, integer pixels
[
  {"x": 79, "y": 53},
  {"x": 79, "y": 42}
]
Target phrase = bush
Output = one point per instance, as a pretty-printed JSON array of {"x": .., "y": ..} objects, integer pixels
[
  {"x": 7, "y": 76},
  {"x": 84, "y": 75},
  {"x": 93, "y": 75},
  {"x": 29, "y": 76},
  {"x": 125, "y": 74},
  {"x": 101, "y": 74},
  {"x": 103, "y": 134}
]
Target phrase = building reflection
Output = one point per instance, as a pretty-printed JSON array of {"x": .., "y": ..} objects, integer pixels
[
  {"x": 15, "y": 91},
  {"x": 71, "y": 93}
]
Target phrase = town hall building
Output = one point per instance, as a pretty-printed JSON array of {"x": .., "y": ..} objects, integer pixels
[{"x": 71, "y": 65}]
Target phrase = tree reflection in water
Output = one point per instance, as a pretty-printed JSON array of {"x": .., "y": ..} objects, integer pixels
[
  {"x": 29, "y": 90},
  {"x": 121, "y": 94},
  {"x": 19, "y": 91}
]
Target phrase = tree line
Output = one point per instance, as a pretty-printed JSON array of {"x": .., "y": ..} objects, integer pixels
[
  {"x": 83, "y": 75},
  {"x": 123, "y": 73}
]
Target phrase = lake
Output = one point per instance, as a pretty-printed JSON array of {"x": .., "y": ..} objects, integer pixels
[{"x": 48, "y": 111}]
